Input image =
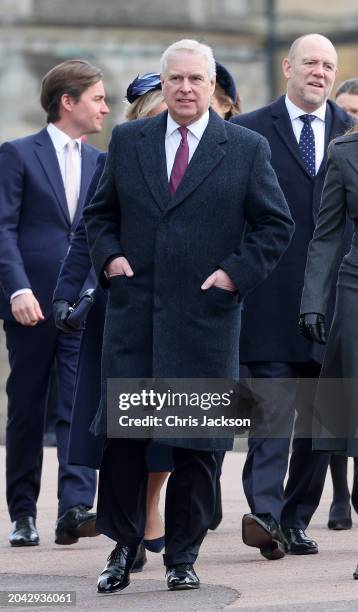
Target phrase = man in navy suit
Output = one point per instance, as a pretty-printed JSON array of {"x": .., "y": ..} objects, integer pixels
[
  {"x": 299, "y": 127},
  {"x": 165, "y": 230},
  {"x": 43, "y": 182}
]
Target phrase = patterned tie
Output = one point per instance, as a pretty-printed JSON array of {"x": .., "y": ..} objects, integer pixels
[
  {"x": 307, "y": 144},
  {"x": 180, "y": 162},
  {"x": 71, "y": 187}
]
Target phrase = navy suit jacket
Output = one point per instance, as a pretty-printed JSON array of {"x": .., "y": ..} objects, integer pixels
[
  {"x": 269, "y": 329},
  {"x": 35, "y": 227}
]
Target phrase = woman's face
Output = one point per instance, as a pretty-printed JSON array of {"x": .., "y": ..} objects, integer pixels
[{"x": 157, "y": 109}]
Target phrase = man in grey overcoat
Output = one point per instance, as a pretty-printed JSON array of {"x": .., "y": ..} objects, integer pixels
[{"x": 166, "y": 232}]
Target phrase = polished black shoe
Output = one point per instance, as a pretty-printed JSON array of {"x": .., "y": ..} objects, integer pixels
[
  {"x": 355, "y": 573},
  {"x": 115, "y": 576},
  {"x": 339, "y": 516},
  {"x": 76, "y": 523},
  {"x": 24, "y": 532},
  {"x": 263, "y": 532},
  {"x": 140, "y": 560},
  {"x": 297, "y": 543},
  {"x": 181, "y": 577}
]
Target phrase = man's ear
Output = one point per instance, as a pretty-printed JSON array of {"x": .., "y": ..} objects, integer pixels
[
  {"x": 286, "y": 67},
  {"x": 67, "y": 102}
]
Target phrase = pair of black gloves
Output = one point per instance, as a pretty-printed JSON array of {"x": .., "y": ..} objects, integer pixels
[{"x": 313, "y": 327}]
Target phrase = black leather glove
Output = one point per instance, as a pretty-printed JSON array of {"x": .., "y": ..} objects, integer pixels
[
  {"x": 61, "y": 309},
  {"x": 313, "y": 327}
]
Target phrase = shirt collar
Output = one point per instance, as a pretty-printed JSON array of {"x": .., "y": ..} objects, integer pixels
[
  {"x": 197, "y": 128},
  {"x": 60, "y": 138},
  {"x": 295, "y": 112}
]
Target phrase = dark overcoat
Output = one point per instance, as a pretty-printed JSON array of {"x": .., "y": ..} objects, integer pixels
[
  {"x": 159, "y": 323},
  {"x": 337, "y": 399},
  {"x": 269, "y": 329}
]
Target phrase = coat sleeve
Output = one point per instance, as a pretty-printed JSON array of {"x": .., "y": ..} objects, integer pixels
[
  {"x": 12, "y": 177},
  {"x": 102, "y": 217},
  {"x": 269, "y": 225},
  {"x": 325, "y": 246},
  {"x": 77, "y": 264}
]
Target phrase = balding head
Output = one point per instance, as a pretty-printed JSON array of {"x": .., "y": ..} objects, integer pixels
[{"x": 310, "y": 70}]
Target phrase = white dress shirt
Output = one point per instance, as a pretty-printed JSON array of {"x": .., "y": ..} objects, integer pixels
[
  {"x": 59, "y": 141},
  {"x": 173, "y": 138},
  {"x": 318, "y": 126}
]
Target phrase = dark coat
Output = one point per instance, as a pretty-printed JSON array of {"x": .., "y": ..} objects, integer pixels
[
  {"x": 159, "y": 323},
  {"x": 270, "y": 318},
  {"x": 85, "y": 448},
  {"x": 35, "y": 227},
  {"x": 337, "y": 399}
]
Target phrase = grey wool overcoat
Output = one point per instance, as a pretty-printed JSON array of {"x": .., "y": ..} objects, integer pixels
[{"x": 159, "y": 323}]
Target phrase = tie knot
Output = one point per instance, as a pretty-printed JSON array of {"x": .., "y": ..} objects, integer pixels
[
  {"x": 71, "y": 146},
  {"x": 183, "y": 132},
  {"x": 307, "y": 119}
]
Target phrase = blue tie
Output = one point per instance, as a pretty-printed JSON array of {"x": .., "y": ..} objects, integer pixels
[{"x": 307, "y": 144}]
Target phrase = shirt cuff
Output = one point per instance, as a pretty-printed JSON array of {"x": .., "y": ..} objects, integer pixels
[{"x": 19, "y": 292}]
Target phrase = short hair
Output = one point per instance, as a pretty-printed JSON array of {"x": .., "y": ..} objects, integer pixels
[
  {"x": 193, "y": 46},
  {"x": 296, "y": 43},
  {"x": 143, "y": 105},
  {"x": 349, "y": 86},
  {"x": 72, "y": 77}
]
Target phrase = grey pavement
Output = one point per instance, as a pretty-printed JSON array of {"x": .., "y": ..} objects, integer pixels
[{"x": 233, "y": 575}]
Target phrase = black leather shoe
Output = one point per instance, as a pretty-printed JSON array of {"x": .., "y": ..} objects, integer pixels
[
  {"x": 355, "y": 573},
  {"x": 76, "y": 523},
  {"x": 297, "y": 543},
  {"x": 24, "y": 532},
  {"x": 181, "y": 577},
  {"x": 339, "y": 516},
  {"x": 115, "y": 576},
  {"x": 140, "y": 560},
  {"x": 263, "y": 532}
]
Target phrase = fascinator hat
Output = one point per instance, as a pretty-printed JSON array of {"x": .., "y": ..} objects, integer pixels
[{"x": 142, "y": 84}]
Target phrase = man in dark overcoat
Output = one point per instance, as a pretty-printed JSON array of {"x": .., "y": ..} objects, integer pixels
[
  {"x": 299, "y": 127},
  {"x": 166, "y": 228}
]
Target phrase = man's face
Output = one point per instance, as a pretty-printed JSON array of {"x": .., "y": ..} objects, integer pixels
[
  {"x": 310, "y": 73},
  {"x": 86, "y": 116},
  {"x": 349, "y": 102},
  {"x": 186, "y": 86}
]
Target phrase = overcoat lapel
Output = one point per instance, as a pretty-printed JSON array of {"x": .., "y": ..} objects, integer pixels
[
  {"x": 46, "y": 154},
  {"x": 283, "y": 126},
  {"x": 208, "y": 154},
  {"x": 151, "y": 155}
]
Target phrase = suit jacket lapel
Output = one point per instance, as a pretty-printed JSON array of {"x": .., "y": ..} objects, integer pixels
[
  {"x": 208, "y": 154},
  {"x": 283, "y": 126},
  {"x": 151, "y": 155},
  {"x": 46, "y": 154}
]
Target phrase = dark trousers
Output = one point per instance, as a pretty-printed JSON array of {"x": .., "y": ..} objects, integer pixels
[
  {"x": 32, "y": 352},
  {"x": 189, "y": 504},
  {"x": 267, "y": 459}
]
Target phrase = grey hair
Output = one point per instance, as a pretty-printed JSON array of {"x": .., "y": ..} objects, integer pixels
[
  {"x": 194, "y": 46},
  {"x": 349, "y": 86}
]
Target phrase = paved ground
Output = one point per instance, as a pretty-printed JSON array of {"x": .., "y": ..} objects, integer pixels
[{"x": 233, "y": 575}]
